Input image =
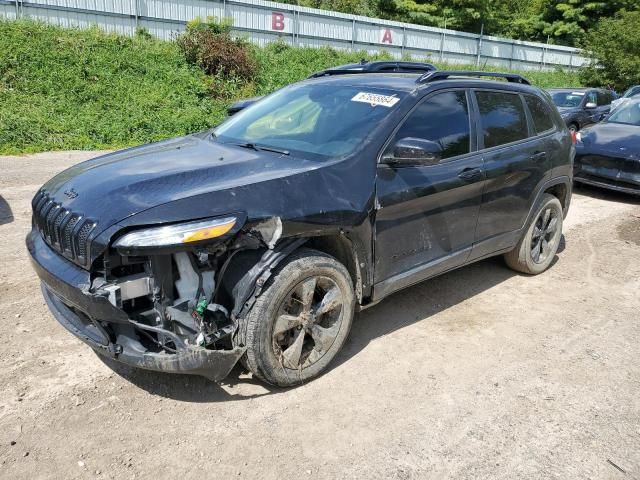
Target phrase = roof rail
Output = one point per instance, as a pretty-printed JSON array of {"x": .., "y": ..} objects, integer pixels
[
  {"x": 445, "y": 74},
  {"x": 376, "y": 67}
]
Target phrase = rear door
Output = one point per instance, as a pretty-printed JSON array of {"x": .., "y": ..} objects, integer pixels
[
  {"x": 427, "y": 214},
  {"x": 516, "y": 162}
]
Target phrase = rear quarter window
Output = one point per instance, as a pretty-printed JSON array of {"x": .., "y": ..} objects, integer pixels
[
  {"x": 502, "y": 118},
  {"x": 540, "y": 113}
]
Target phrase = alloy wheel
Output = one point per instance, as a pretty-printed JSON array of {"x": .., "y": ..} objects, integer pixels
[
  {"x": 544, "y": 235},
  {"x": 308, "y": 322}
]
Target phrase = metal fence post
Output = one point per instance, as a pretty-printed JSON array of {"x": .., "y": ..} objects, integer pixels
[
  {"x": 513, "y": 49},
  {"x": 404, "y": 41},
  {"x": 353, "y": 35},
  {"x": 136, "y": 6},
  {"x": 480, "y": 45}
]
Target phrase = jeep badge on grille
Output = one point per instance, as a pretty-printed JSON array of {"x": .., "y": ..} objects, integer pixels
[{"x": 71, "y": 193}]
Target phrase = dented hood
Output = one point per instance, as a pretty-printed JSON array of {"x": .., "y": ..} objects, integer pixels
[
  {"x": 193, "y": 177},
  {"x": 114, "y": 187}
]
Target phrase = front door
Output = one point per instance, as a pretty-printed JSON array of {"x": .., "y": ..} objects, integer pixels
[{"x": 426, "y": 216}]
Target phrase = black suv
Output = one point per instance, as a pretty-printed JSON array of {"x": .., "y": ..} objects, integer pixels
[
  {"x": 581, "y": 107},
  {"x": 259, "y": 239}
]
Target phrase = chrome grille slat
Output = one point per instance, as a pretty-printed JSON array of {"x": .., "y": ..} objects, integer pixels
[{"x": 63, "y": 230}]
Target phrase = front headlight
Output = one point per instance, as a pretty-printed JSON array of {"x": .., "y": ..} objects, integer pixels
[{"x": 179, "y": 234}]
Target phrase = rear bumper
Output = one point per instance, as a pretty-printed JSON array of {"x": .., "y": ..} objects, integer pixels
[{"x": 106, "y": 328}]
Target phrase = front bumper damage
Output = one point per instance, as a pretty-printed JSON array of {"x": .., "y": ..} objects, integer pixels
[{"x": 108, "y": 330}]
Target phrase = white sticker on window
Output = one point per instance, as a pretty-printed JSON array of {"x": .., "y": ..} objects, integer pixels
[
  {"x": 374, "y": 99},
  {"x": 580, "y": 94}
]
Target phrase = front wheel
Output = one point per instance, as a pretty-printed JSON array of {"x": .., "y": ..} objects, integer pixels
[
  {"x": 537, "y": 248},
  {"x": 301, "y": 320}
]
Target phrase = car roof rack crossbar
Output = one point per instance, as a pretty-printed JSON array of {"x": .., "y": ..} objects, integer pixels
[
  {"x": 376, "y": 67},
  {"x": 446, "y": 74}
]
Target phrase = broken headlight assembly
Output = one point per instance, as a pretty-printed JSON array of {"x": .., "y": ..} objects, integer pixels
[{"x": 176, "y": 235}]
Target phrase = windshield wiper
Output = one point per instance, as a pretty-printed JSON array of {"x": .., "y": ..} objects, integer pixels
[{"x": 264, "y": 148}]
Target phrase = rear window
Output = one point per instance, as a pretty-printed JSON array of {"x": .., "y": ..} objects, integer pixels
[
  {"x": 542, "y": 116},
  {"x": 502, "y": 118}
]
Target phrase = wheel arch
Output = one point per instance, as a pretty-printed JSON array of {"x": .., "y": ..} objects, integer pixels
[
  {"x": 342, "y": 249},
  {"x": 559, "y": 187}
]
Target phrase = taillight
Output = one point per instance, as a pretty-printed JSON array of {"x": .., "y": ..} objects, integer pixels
[{"x": 574, "y": 137}]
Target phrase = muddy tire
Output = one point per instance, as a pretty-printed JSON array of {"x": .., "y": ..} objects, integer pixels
[
  {"x": 300, "y": 321},
  {"x": 537, "y": 248}
]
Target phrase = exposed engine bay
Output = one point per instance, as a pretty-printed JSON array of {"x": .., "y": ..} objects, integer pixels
[{"x": 186, "y": 303}]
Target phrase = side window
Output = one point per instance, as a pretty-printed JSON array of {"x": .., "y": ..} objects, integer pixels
[
  {"x": 542, "y": 117},
  {"x": 442, "y": 118},
  {"x": 591, "y": 98},
  {"x": 603, "y": 99},
  {"x": 502, "y": 118}
]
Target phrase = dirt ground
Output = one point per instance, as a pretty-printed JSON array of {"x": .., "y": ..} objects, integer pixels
[{"x": 480, "y": 373}]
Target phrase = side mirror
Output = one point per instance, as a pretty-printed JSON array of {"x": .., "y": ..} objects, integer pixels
[
  {"x": 413, "y": 151},
  {"x": 590, "y": 105},
  {"x": 241, "y": 105}
]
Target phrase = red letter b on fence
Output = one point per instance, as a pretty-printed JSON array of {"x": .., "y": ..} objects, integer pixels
[{"x": 277, "y": 21}]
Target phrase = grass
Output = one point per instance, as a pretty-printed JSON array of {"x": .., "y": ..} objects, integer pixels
[{"x": 64, "y": 89}]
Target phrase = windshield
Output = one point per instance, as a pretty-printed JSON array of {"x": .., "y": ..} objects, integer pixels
[
  {"x": 632, "y": 92},
  {"x": 567, "y": 99},
  {"x": 628, "y": 114},
  {"x": 317, "y": 121}
]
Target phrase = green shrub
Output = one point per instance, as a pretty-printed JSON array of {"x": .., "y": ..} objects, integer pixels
[{"x": 210, "y": 46}]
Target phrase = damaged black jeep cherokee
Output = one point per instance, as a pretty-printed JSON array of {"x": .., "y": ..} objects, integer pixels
[{"x": 258, "y": 240}]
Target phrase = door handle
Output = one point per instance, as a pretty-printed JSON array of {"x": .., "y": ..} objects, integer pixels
[
  {"x": 470, "y": 174},
  {"x": 539, "y": 156}
]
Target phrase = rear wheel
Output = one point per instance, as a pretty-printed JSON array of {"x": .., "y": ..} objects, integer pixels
[
  {"x": 301, "y": 320},
  {"x": 537, "y": 248}
]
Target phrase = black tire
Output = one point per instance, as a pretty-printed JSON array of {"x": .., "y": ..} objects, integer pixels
[
  {"x": 542, "y": 237},
  {"x": 574, "y": 127},
  {"x": 271, "y": 356}
]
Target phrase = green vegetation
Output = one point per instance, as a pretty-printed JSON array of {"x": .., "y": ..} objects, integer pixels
[
  {"x": 615, "y": 49},
  {"x": 560, "y": 21},
  {"x": 84, "y": 89}
]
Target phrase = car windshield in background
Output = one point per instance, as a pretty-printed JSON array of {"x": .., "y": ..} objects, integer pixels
[
  {"x": 567, "y": 99},
  {"x": 632, "y": 92},
  {"x": 629, "y": 114},
  {"x": 315, "y": 121}
]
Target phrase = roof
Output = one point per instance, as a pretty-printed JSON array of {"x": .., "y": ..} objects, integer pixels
[{"x": 407, "y": 82}]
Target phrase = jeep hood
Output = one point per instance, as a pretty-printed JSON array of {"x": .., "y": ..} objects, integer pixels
[{"x": 117, "y": 186}]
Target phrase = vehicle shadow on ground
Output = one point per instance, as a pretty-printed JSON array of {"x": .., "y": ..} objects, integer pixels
[
  {"x": 6, "y": 216},
  {"x": 422, "y": 302},
  {"x": 415, "y": 304},
  {"x": 191, "y": 388}
]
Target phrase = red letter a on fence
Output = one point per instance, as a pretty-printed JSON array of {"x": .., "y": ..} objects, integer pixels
[{"x": 386, "y": 38}]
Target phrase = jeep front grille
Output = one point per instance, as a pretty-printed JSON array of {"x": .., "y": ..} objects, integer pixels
[{"x": 65, "y": 231}]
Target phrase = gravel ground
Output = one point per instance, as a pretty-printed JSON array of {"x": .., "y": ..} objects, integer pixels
[{"x": 480, "y": 373}]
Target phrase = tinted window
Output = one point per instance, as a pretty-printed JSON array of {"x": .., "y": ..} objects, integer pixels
[
  {"x": 591, "y": 98},
  {"x": 444, "y": 119},
  {"x": 604, "y": 98},
  {"x": 502, "y": 118},
  {"x": 540, "y": 113}
]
